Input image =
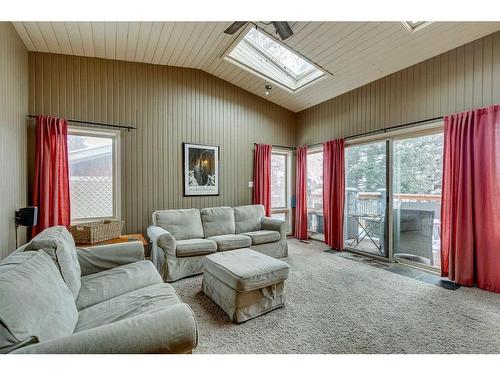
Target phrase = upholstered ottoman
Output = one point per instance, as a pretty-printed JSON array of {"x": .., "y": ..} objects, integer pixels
[{"x": 245, "y": 283}]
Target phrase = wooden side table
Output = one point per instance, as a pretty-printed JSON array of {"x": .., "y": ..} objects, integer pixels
[{"x": 124, "y": 238}]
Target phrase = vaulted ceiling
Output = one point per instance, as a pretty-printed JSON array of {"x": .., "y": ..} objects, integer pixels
[{"x": 355, "y": 53}]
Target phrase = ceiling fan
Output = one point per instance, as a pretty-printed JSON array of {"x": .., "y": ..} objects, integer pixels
[{"x": 282, "y": 28}]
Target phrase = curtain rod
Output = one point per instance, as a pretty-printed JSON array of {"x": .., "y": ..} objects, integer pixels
[
  {"x": 384, "y": 130},
  {"x": 95, "y": 123},
  {"x": 279, "y": 146}
]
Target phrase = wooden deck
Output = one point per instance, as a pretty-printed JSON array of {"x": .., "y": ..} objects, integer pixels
[{"x": 367, "y": 246}]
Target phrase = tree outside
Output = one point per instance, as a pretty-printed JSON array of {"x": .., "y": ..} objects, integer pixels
[{"x": 417, "y": 165}]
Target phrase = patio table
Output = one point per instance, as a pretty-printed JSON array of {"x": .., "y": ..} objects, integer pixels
[{"x": 368, "y": 223}]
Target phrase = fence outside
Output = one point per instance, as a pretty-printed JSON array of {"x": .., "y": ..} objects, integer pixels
[{"x": 91, "y": 196}]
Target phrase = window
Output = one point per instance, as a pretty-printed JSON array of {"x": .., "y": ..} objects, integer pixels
[
  {"x": 280, "y": 186},
  {"x": 261, "y": 54},
  {"x": 315, "y": 194},
  {"x": 278, "y": 180},
  {"x": 93, "y": 174}
]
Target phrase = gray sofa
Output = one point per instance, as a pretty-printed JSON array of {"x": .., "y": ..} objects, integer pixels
[
  {"x": 56, "y": 298},
  {"x": 181, "y": 239}
]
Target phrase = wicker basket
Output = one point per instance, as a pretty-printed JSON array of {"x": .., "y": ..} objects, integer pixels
[{"x": 92, "y": 232}]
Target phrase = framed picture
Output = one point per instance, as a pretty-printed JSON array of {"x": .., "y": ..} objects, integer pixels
[{"x": 201, "y": 170}]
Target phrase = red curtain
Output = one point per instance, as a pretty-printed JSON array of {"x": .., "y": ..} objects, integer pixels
[
  {"x": 470, "y": 210},
  {"x": 262, "y": 176},
  {"x": 301, "y": 194},
  {"x": 333, "y": 193},
  {"x": 51, "y": 184}
]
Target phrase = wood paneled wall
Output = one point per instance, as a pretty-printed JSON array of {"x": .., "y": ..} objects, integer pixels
[
  {"x": 171, "y": 105},
  {"x": 13, "y": 108},
  {"x": 464, "y": 78},
  {"x": 168, "y": 106}
]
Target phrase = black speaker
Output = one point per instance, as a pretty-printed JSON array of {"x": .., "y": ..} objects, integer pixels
[{"x": 27, "y": 216}]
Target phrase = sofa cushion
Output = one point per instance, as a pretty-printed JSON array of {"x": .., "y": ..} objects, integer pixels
[
  {"x": 35, "y": 301},
  {"x": 260, "y": 237},
  {"x": 195, "y": 247},
  {"x": 182, "y": 224},
  {"x": 247, "y": 218},
  {"x": 146, "y": 300},
  {"x": 246, "y": 269},
  {"x": 101, "y": 286},
  {"x": 217, "y": 221},
  {"x": 231, "y": 241},
  {"x": 60, "y": 245}
]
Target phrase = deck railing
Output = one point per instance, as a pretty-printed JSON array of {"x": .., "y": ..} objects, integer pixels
[
  {"x": 373, "y": 203},
  {"x": 367, "y": 204}
]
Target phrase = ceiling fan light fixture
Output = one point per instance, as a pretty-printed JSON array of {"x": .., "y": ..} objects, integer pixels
[
  {"x": 283, "y": 29},
  {"x": 234, "y": 27}
]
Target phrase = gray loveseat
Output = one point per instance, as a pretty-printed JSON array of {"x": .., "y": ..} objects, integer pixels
[
  {"x": 56, "y": 298},
  {"x": 181, "y": 239}
]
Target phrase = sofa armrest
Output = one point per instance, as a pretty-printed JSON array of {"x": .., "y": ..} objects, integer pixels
[
  {"x": 100, "y": 258},
  {"x": 277, "y": 225},
  {"x": 162, "y": 238},
  {"x": 172, "y": 330}
]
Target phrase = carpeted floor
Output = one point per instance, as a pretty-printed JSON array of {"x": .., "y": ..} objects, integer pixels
[{"x": 337, "y": 305}]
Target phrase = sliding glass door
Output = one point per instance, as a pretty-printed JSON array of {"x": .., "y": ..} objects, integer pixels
[
  {"x": 417, "y": 174},
  {"x": 366, "y": 198},
  {"x": 393, "y": 197}
]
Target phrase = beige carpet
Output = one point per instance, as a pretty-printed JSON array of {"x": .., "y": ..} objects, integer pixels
[{"x": 337, "y": 305}]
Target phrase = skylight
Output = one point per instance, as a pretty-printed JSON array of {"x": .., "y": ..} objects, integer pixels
[
  {"x": 289, "y": 60},
  {"x": 415, "y": 25},
  {"x": 271, "y": 60}
]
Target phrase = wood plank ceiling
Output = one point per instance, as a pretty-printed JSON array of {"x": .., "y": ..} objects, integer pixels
[{"x": 355, "y": 53}]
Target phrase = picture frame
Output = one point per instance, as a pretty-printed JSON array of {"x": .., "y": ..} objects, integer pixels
[{"x": 201, "y": 169}]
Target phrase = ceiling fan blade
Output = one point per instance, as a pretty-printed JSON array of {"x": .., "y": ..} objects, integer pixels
[
  {"x": 234, "y": 27},
  {"x": 283, "y": 29}
]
